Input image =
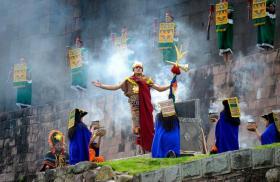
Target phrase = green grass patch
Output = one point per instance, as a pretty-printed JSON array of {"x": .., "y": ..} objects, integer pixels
[
  {"x": 136, "y": 165},
  {"x": 274, "y": 145}
]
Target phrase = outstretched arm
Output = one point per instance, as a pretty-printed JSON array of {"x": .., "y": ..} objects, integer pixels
[
  {"x": 106, "y": 87},
  {"x": 160, "y": 88}
]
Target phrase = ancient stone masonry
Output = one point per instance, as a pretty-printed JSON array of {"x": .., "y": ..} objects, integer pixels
[
  {"x": 254, "y": 79},
  {"x": 242, "y": 165},
  {"x": 23, "y": 136}
]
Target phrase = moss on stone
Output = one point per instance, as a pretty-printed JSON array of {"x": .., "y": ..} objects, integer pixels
[
  {"x": 274, "y": 145},
  {"x": 136, "y": 165}
]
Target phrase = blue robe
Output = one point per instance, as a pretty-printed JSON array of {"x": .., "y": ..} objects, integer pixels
[
  {"x": 164, "y": 141},
  {"x": 270, "y": 135},
  {"x": 226, "y": 134},
  {"x": 79, "y": 144}
]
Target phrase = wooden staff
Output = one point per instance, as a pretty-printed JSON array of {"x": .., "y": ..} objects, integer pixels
[
  {"x": 250, "y": 3},
  {"x": 204, "y": 144},
  {"x": 210, "y": 17}
]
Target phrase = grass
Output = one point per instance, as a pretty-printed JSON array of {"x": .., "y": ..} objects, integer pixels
[
  {"x": 140, "y": 164},
  {"x": 136, "y": 165},
  {"x": 268, "y": 146}
]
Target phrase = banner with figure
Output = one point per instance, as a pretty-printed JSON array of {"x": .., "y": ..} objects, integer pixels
[
  {"x": 75, "y": 58},
  {"x": 259, "y": 12},
  {"x": 222, "y": 13},
  {"x": 224, "y": 29},
  {"x": 166, "y": 35},
  {"x": 234, "y": 107},
  {"x": 78, "y": 68},
  {"x": 71, "y": 119},
  {"x": 120, "y": 41},
  {"x": 19, "y": 74},
  {"x": 23, "y": 83},
  {"x": 264, "y": 18}
]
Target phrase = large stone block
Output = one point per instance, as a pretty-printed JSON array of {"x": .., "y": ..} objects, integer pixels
[
  {"x": 172, "y": 173},
  {"x": 241, "y": 159},
  {"x": 50, "y": 175},
  {"x": 105, "y": 173},
  {"x": 262, "y": 158},
  {"x": 45, "y": 109},
  {"x": 153, "y": 176},
  {"x": 9, "y": 177},
  {"x": 62, "y": 106},
  {"x": 189, "y": 132},
  {"x": 273, "y": 175},
  {"x": 33, "y": 120},
  {"x": 3, "y": 116},
  {"x": 216, "y": 165},
  {"x": 1, "y": 144},
  {"x": 191, "y": 169},
  {"x": 83, "y": 166},
  {"x": 89, "y": 175},
  {"x": 277, "y": 156}
]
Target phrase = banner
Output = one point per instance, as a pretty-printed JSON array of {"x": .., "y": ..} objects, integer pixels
[
  {"x": 222, "y": 13},
  {"x": 259, "y": 9},
  {"x": 166, "y": 34},
  {"x": 276, "y": 116},
  {"x": 75, "y": 58},
  {"x": 71, "y": 119},
  {"x": 234, "y": 107},
  {"x": 120, "y": 41},
  {"x": 20, "y": 74},
  {"x": 167, "y": 108}
]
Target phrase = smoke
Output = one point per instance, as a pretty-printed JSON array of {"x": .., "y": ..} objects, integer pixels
[
  {"x": 216, "y": 107},
  {"x": 44, "y": 30},
  {"x": 249, "y": 77},
  {"x": 246, "y": 118}
]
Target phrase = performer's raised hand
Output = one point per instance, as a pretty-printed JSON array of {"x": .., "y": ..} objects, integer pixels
[
  {"x": 106, "y": 87},
  {"x": 96, "y": 83}
]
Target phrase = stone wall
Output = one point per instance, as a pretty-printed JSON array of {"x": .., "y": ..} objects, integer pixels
[
  {"x": 42, "y": 39},
  {"x": 254, "y": 79},
  {"x": 24, "y": 134},
  {"x": 242, "y": 165}
]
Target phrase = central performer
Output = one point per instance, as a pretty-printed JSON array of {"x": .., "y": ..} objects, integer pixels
[{"x": 137, "y": 89}]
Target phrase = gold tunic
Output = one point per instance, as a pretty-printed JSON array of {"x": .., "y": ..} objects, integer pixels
[{"x": 131, "y": 90}]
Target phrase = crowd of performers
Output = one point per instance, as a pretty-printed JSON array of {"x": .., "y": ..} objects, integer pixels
[
  {"x": 84, "y": 143},
  {"x": 227, "y": 128},
  {"x": 163, "y": 138}
]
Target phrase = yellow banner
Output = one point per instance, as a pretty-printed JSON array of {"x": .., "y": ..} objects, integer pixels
[
  {"x": 222, "y": 13},
  {"x": 166, "y": 32},
  {"x": 75, "y": 58},
  {"x": 258, "y": 9},
  {"x": 71, "y": 119},
  {"x": 276, "y": 116},
  {"x": 20, "y": 72},
  {"x": 124, "y": 40},
  {"x": 121, "y": 41},
  {"x": 234, "y": 107}
]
